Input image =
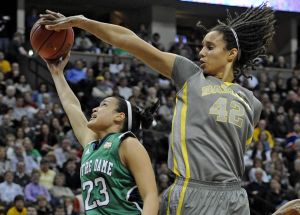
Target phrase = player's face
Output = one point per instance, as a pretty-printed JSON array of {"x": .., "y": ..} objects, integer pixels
[
  {"x": 213, "y": 55},
  {"x": 104, "y": 115}
]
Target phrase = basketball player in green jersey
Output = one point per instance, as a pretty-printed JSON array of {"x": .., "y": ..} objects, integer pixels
[
  {"x": 115, "y": 167},
  {"x": 214, "y": 118}
]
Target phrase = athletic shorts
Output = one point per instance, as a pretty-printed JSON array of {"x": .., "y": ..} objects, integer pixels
[{"x": 194, "y": 197}]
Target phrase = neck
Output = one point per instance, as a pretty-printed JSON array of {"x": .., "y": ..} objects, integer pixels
[
  {"x": 226, "y": 75},
  {"x": 101, "y": 134}
]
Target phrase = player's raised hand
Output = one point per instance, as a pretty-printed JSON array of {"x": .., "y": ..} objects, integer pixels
[
  {"x": 57, "y": 21},
  {"x": 57, "y": 67}
]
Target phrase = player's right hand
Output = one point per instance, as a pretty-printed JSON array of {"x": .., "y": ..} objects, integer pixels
[{"x": 57, "y": 67}]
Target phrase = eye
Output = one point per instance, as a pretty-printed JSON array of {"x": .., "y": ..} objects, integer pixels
[{"x": 210, "y": 47}]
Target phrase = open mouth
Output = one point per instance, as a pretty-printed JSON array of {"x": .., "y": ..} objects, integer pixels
[{"x": 93, "y": 116}]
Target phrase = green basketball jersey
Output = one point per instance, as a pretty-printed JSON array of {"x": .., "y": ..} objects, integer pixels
[{"x": 107, "y": 185}]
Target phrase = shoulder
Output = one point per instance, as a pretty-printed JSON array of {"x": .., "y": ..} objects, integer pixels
[{"x": 128, "y": 140}]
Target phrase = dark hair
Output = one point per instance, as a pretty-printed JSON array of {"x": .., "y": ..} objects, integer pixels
[
  {"x": 254, "y": 29},
  {"x": 19, "y": 197},
  {"x": 140, "y": 118}
]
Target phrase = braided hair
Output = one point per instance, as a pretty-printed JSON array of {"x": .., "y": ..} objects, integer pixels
[{"x": 249, "y": 32}]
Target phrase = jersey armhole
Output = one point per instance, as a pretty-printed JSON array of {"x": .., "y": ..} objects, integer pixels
[{"x": 123, "y": 136}]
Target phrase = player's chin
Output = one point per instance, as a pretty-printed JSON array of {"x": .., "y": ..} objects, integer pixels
[
  {"x": 91, "y": 123},
  {"x": 204, "y": 68}
]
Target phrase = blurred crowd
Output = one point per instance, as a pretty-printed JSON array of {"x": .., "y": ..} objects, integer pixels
[{"x": 40, "y": 156}]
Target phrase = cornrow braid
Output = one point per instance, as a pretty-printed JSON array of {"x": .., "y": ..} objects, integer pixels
[{"x": 254, "y": 29}]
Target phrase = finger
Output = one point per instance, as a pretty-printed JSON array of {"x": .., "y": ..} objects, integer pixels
[
  {"x": 47, "y": 17},
  {"x": 55, "y": 14},
  {"x": 66, "y": 57}
]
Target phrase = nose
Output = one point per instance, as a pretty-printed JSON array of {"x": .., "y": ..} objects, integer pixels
[
  {"x": 202, "y": 52},
  {"x": 94, "y": 110}
]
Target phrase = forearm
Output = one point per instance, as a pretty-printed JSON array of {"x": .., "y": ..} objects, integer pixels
[
  {"x": 112, "y": 34},
  {"x": 66, "y": 95},
  {"x": 150, "y": 204}
]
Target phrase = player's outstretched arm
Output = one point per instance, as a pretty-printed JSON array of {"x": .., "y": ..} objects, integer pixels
[
  {"x": 136, "y": 159},
  {"x": 115, "y": 35},
  {"x": 70, "y": 102}
]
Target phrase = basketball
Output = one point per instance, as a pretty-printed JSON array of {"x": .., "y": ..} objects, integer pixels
[{"x": 51, "y": 45}]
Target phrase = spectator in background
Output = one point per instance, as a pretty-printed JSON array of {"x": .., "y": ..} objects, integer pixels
[
  {"x": 43, "y": 206},
  {"x": 20, "y": 177},
  {"x": 47, "y": 175},
  {"x": 6, "y": 127},
  {"x": 26, "y": 126},
  {"x": 123, "y": 88},
  {"x": 116, "y": 65},
  {"x": 19, "y": 206},
  {"x": 45, "y": 140},
  {"x": 294, "y": 84},
  {"x": 72, "y": 175},
  {"x": 59, "y": 190},
  {"x": 33, "y": 190},
  {"x": 5, "y": 66},
  {"x": 156, "y": 41},
  {"x": 83, "y": 42},
  {"x": 8, "y": 189},
  {"x": 142, "y": 32},
  {"x": 257, "y": 190},
  {"x": 18, "y": 155},
  {"x": 151, "y": 97},
  {"x": 30, "y": 151},
  {"x": 261, "y": 151},
  {"x": 166, "y": 110},
  {"x": 10, "y": 98},
  {"x": 22, "y": 85},
  {"x": 262, "y": 126},
  {"x": 62, "y": 152},
  {"x": 5, "y": 164},
  {"x": 31, "y": 210},
  {"x": 281, "y": 62},
  {"x": 182, "y": 48},
  {"x": 76, "y": 74},
  {"x": 19, "y": 110},
  {"x": 15, "y": 73},
  {"x": 99, "y": 66},
  {"x": 258, "y": 163},
  {"x": 16, "y": 47},
  {"x": 2, "y": 86},
  {"x": 275, "y": 197},
  {"x": 280, "y": 127},
  {"x": 292, "y": 102},
  {"x": 137, "y": 97},
  {"x": 295, "y": 174},
  {"x": 46, "y": 103},
  {"x": 295, "y": 74},
  {"x": 102, "y": 89},
  {"x": 39, "y": 92},
  {"x": 57, "y": 129}
]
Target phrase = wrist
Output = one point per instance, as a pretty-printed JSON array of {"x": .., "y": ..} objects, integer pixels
[{"x": 80, "y": 21}]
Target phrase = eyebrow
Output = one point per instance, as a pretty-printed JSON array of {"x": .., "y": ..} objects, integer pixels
[{"x": 207, "y": 42}]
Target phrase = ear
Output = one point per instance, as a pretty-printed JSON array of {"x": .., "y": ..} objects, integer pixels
[
  {"x": 232, "y": 55},
  {"x": 119, "y": 117}
]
